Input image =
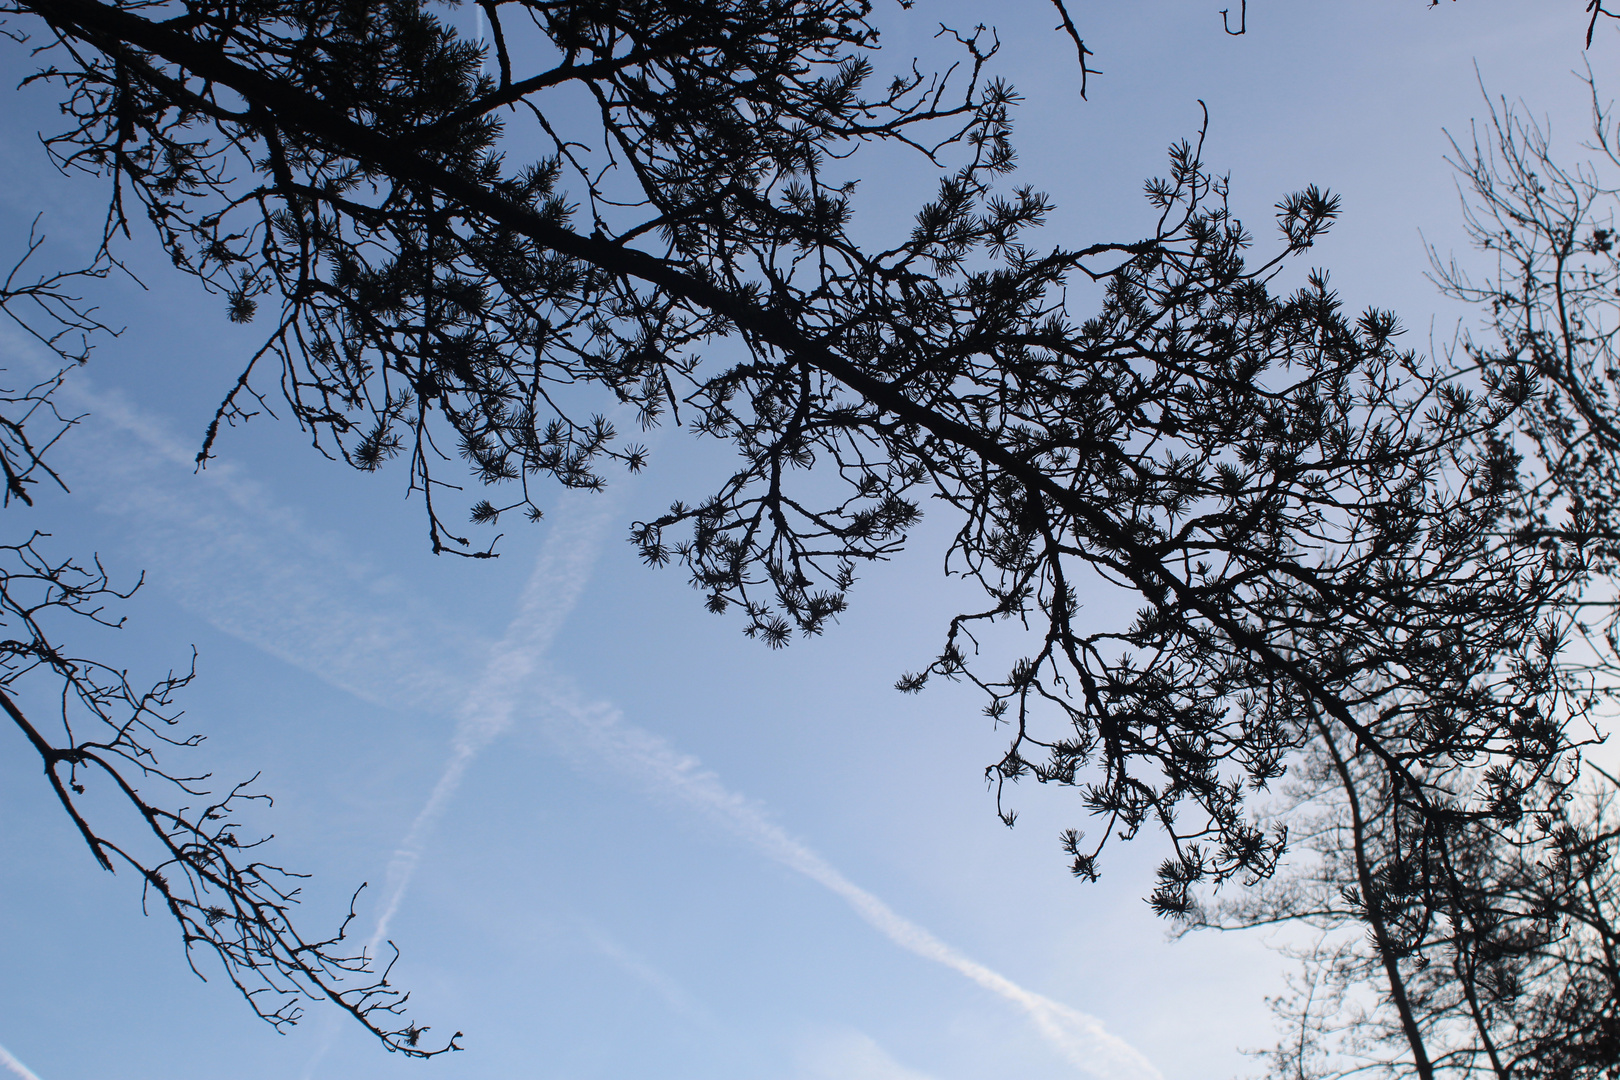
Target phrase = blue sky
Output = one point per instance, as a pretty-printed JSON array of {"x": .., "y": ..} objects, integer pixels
[{"x": 612, "y": 837}]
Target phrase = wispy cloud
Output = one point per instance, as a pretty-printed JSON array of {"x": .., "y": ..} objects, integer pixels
[
  {"x": 851, "y": 1055},
  {"x": 12, "y": 1065},
  {"x": 674, "y": 996}
]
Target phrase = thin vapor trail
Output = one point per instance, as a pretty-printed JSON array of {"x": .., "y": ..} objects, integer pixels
[
  {"x": 600, "y": 731},
  {"x": 560, "y": 573},
  {"x": 255, "y": 569},
  {"x": 12, "y": 1065},
  {"x": 288, "y": 624}
]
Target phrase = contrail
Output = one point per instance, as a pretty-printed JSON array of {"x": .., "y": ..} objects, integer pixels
[
  {"x": 12, "y": 1065},
  {"x": 298, "y": 623},
  {"x": 256, "y": 570},
  {"x": 855, "y": 1055},
  {"x": 1081, "y": 1039},
  {"x": 560, "y": 573},
  {"x": 674, "y": 995}
]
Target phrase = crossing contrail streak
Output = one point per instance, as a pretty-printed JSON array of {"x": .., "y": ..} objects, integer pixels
[
  {"x": 560, "y": 574},
  {"x": 382, "y": 662}
]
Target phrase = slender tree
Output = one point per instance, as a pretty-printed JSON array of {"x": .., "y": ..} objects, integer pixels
[
  {"x": 1547, "y": 234},
  {"x": 1493, "y": 955}
]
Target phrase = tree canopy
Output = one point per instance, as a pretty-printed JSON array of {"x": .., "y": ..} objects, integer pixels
[
  {"x": 1334, "y": 542},
  {"x": 1489, "y": 952}
]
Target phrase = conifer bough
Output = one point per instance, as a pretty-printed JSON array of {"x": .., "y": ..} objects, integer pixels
[{"x": 1321, "y": 529}]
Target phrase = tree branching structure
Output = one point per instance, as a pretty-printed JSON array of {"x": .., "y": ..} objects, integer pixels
[
  {"x": 106, "y": 745},
  {"x": 1492, "y": 953},
  {"x": 458, "y": 252},
  {"x": 1596, "y": 9},
  {"x": 1548, "y": 234},
  {"x": 1493, "y": 958},
  {"x": 48, "y": 309}
]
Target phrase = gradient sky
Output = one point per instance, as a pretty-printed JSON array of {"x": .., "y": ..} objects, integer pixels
[{"x": 612, "y": 837}]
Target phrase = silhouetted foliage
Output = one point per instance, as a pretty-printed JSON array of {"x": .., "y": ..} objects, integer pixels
[
  {"x": 1312, "y": 518},
  {"x": 1491, "y": 954},
  {"x": 1485, "y": 946},
  {"x": 105, "y": 749},
  {"x": 1551, "y": 319}
]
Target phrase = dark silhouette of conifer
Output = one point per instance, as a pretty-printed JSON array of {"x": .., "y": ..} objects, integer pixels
[{"x": 461, "y": 256}]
